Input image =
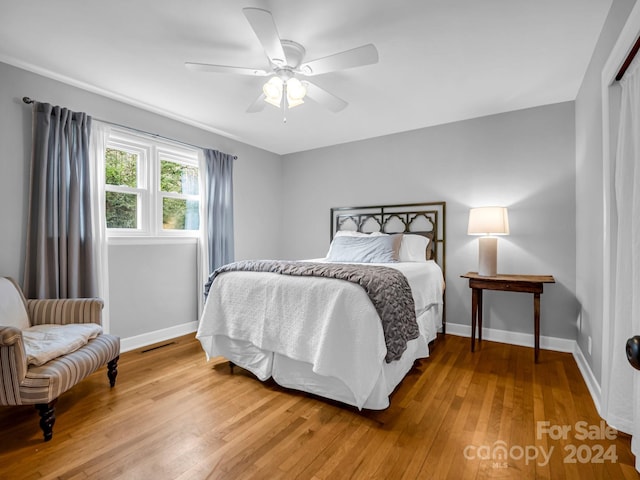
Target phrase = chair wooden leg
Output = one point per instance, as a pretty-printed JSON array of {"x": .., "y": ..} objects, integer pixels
[
  {"x": 112, "y": 370},
  {"x": 47, "y": 413}
]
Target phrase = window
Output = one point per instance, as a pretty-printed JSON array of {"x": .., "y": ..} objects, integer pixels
[
  {"x": 151, "y": 187},
  {"x": 124, "y": 186},
  {"x": 179, "y": 191}
]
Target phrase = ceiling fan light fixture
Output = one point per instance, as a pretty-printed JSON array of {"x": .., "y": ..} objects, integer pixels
[
  {"x": 273, "y": 91},
  {"x": 273, "y": 88},
  {"x": 276, "y": 102},
  {"x": 276, "y": 87},
  {"x": 294, "y": 102},
  {"x": 295, "y": 89}
]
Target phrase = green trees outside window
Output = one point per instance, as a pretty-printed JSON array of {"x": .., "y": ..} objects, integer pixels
[
  {"x": 121, "y": 169},
  {"x": 179, "y": 213}
]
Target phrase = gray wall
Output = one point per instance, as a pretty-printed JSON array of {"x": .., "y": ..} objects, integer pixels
[
  {"x": 257, "y": 198},
  {"x": 158, "y": 292},
  {"x": 590, "y": 190},
  {"x": 524, "y": 160}
]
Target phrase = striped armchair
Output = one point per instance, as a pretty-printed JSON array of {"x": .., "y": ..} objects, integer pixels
[{"x": 22, "y": 383}]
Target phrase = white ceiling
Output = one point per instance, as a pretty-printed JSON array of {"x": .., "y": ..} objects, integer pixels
[{"x": 440, "y": 60}]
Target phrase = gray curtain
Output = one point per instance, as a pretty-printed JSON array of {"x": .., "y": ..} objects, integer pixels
[
  {"x": 59, "y": 255},
  {"x": 219, "y": 207}
]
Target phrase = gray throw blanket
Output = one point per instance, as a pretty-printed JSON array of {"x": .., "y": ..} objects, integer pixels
[{"x": 387, "y": 288}]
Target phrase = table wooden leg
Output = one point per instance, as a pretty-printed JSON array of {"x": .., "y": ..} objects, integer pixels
[
  {"x": 480, "y": 309},
  {"x": 536, "y": 319},
  {"x": 474, "y": 313}
]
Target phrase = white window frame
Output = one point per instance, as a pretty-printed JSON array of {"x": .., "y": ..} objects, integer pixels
[{"x": 151, "y": 151}]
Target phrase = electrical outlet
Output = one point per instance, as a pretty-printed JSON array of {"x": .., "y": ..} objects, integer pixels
[{"x": 589, "y": 344}]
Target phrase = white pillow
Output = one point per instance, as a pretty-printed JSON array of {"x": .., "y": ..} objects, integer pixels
[
  {"x": 413, "y": 248},
  {"x": 12, "y": 309},
  {"x": 365, "y": 249},
  {"x": 352, "y": 233}
]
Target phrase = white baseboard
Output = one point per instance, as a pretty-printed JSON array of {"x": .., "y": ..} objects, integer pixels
[
  {"x": 547, "y": 343},
  {"x": 131, "y": 343},
  {"x": 589, "y": 378},
  {"x": 515, "y": 338}
]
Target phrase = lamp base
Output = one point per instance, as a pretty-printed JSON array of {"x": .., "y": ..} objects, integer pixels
[{"x": 488, "y": 256}]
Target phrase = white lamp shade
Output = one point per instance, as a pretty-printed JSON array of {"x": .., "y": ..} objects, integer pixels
[{"x": 488, "y": 221}]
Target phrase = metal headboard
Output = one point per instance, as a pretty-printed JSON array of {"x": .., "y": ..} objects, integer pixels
[
  {"x": 428, "y": 218},
  {"x": 419, "y": 218}
]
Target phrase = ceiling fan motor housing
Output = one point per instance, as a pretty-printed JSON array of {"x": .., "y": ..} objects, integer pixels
[{"x": 294, "y": 53}]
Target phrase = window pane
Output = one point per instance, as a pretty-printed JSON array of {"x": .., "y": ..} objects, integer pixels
[
  {"x": 179, "y": 214},
  {"x": 121, "y": 168},
  {"x": 178, "y": 178},
  {"x": 121, "y": 210}
]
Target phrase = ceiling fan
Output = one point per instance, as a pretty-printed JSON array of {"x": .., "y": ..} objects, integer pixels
[{"x": 286, "y": 64}]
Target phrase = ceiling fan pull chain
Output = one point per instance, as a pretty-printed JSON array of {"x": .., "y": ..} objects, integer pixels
[{"x": 284, "y": 102}]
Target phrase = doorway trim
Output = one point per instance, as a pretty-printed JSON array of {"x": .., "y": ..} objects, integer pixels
[{"x": 619, "y": 52}]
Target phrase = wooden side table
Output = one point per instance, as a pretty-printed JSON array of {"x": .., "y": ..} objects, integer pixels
[{"x": 506, "y": 283}]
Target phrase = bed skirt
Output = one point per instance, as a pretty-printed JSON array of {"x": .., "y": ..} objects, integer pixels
[{"x": 299, "y": 375}]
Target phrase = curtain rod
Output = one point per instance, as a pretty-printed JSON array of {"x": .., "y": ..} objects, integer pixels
[
  {"x": 628, "y": 60},
  {"x": 29, "y": 101}
]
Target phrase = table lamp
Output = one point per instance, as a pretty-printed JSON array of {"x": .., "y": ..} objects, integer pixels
[{"x": 488, "y": 221}]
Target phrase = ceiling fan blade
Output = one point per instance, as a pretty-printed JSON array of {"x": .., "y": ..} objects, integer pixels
[
  {"x": 257, "y": 105},
  {"x": 265, "y": 29},
  {"x": 208, "y": 67},
  {"x": 356, "y": 57},
  {"x": 328, "y": 100}
]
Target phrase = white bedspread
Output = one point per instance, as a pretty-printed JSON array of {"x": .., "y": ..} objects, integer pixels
[
  {"x": 328, "y": 323},
  {"x": 46, "y": 342}
]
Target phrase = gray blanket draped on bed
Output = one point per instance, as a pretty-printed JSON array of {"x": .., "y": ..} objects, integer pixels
[{"x": 387, "y": 288}]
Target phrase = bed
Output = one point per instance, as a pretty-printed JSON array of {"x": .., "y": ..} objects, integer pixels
[{"x": 330, "y": 336}]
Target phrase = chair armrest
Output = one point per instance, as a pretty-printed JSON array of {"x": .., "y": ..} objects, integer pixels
[
  {"x": 14, "y": 365},
  {"x": 10, "y": 336},
  {"x": 65, "y": 311}
]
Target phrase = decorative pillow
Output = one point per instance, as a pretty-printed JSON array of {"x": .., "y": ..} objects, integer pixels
[
  {"x": 430, "y": 246},
  {"x": 353, "y": 233},
  {"x": 414, "y": 248},
  {"x": 13, "y": 312},
  {"x": 365, "y": 249}
]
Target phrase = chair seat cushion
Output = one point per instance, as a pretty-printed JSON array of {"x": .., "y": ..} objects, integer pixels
[
  {"x": 48, "y": 341},
  {"x": 46, "y": 382}
]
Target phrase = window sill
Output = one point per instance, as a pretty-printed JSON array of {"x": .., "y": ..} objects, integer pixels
[{"x": 142, "y": 240}]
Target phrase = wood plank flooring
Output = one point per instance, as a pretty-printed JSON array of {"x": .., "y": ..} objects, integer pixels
[{"x": 457, "y": 415}]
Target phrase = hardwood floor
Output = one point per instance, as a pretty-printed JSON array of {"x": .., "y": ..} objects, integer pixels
[{"x": 172, "y": 415}]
